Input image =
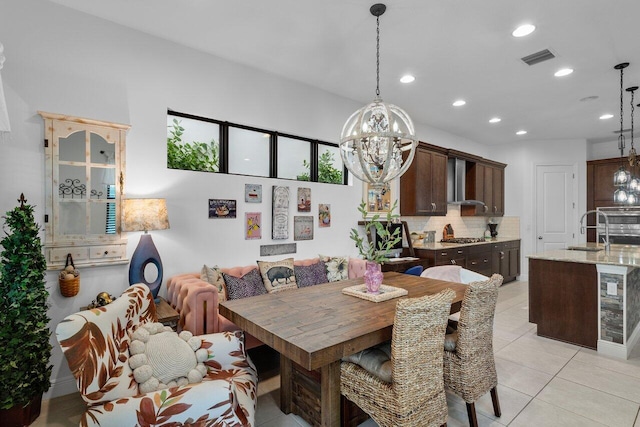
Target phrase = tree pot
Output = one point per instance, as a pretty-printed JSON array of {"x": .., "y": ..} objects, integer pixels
[{"x": 19, "y": 416}]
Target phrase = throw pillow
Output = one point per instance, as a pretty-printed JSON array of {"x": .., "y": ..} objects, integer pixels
[
  {"x": 214, "y": 276},
  {"x": 337, "y": 267},
  {"x": 246, "y": 286},
  {"x": 310, "y": 275},
  {"x": 278, "y": 276},
  {"x": 160, "y": 358}
]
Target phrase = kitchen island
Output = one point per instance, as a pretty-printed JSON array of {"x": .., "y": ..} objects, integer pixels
[{"x": 587, "y": 296}]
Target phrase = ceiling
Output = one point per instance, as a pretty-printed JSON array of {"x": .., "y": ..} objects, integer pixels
[{"x": 456, "y": 49}]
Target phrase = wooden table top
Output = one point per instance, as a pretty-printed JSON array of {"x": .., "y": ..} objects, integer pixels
[{"x": 317, "y": 325}]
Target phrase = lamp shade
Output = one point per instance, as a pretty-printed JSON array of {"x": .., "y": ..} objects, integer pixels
[{"x": 145, "y": 215}]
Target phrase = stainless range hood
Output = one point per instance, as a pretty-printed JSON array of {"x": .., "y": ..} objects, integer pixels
[{"x": 456, "y": 181}]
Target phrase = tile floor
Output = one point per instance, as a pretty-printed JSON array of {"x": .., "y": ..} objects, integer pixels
[{"x": 541, "y": 382}]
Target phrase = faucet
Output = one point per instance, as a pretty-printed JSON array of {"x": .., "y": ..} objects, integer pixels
[{"x": 607, "y": 245}]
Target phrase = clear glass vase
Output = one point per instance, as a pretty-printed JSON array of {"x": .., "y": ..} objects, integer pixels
[{"x": 373, "y": 277}]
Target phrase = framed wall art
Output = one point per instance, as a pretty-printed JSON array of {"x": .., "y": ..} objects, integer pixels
[
  {"x": 252, "y": 225},
  {"x": 379, "y": 200},
  {"x": 253, "y": 193},
  {"x": 302, "y": 228},
  {"x": 304, "y": 199},
  {"x": 280, "y": 219},
  {"x": 324, "y": 215},
  {"x": 222, "y": 208}
]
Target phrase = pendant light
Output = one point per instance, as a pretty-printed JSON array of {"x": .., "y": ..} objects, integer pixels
[
  {"x": 621, "y": 177},
  {"x": 378, "y": 142},
  {"x": 634, "y": 182}
]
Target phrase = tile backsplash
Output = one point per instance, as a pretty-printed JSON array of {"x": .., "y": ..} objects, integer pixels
[{"x": 467, "y": 226}]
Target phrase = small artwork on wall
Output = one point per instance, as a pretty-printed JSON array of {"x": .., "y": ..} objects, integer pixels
[
  {"x": 304, "y": 199},
  {"x": 222, "y": 208},
  {"x": 302, "y": 228},
  {"x": 253, "y": 225},
  {"x": 280, "y": 220},
  {"x": 324, "y": 215},
  {"x": 253, "y": 193}
]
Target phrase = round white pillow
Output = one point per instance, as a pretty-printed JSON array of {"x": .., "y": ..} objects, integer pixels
[{"x": 160, "y": 358}]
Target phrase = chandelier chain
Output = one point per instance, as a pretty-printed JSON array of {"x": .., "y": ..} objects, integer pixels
[
  {"x": 621, "y": 137},
  {"x": 377, "y": 56}
]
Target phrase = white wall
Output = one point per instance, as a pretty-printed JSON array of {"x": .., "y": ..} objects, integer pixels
[
  {"x": 520, "y": 191},
  {"x": 63, "y": 61}
]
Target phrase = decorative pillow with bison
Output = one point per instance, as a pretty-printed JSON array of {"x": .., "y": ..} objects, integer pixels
[{"x": 278, "y": 276}]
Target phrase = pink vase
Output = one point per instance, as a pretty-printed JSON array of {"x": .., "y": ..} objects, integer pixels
[{"x": 373, "y": 277}]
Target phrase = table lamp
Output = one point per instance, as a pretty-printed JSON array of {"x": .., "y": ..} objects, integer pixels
[{"x": 139, "y": 215}]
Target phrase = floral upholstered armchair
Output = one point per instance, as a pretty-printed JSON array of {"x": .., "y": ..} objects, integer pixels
[{"x": 97, "y": 345}]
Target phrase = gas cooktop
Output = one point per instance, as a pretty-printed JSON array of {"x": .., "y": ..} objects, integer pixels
[{"x": 462, "y": 240}]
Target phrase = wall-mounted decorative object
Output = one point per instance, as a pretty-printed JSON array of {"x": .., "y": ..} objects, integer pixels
[
  {"x": 304, "y": 199},
  {"x": 379, "y": 199},
  {"x": 324, "y": 215},
  {"x": 252, "y": 225},
  {"x": 278, "y": 249},
  {"x": 280, "y": 225},
  {"x": 253, "y": 193},
  {"x": 222, "y": 208},
  {"x": 302, "y": 228}
]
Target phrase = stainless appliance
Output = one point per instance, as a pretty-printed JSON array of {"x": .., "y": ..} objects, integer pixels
[
  {"x": 456, "y": 182},
  {"x": 624, "y": 225}
]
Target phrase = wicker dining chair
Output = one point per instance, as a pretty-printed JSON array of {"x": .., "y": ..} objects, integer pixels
[
  {"x": 469, "y": 365},
  {"x": 415, "y": 394}
]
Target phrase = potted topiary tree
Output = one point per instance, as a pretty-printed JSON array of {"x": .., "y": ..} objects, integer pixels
[
  {"x": 369, "y": 251},
  {"x": 25, "y": 370}
]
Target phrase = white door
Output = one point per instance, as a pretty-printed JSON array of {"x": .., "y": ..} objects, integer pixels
[{"x": 555, "y": 207}]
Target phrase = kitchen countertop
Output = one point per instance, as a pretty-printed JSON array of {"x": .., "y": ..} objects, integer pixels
[
  {"x": 440, "y": 245},
  {"x": 620, "y": 255}
]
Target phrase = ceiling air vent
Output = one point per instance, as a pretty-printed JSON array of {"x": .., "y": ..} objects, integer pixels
[{"x": 535, "y": 58}]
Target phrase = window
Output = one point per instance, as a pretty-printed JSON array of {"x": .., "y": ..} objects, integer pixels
[
  {"x": 202, "y": 144},
  {"x": 294, "y": 158},
  {"x": 248, "y": 150},
  {"x": 191, "y": 144}
]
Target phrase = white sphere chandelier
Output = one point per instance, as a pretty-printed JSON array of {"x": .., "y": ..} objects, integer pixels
[{"x": 378, "y": 142}]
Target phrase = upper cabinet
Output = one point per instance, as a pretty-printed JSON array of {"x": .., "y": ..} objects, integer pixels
[
  {"x": 423, "y": 187},
  {"x": 84, "y": 185},
  {"x": 485, "y": 183}
]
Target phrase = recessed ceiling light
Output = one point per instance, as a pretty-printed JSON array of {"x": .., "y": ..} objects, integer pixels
[
  {"x": 495, "y": 120},
  {"x": 606, "y": 116},
  {"x": 521, "y": 132},
  {"x": 246, "y": 159},
  {"x": 407, "y": 78},
  {"x": 563, "y": 72},
  {"x": 523, "y": 30},
  {"x": 459, "y": 103}
]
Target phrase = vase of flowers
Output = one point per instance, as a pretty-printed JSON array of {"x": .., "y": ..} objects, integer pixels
[{"x": 375, "y": 254}]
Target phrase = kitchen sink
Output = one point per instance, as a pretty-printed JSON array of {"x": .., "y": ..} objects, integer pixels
[{"x": 584, "y": 248}]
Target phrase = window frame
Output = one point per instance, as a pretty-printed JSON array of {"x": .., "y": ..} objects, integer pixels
[{"x": 223, "y": 142}]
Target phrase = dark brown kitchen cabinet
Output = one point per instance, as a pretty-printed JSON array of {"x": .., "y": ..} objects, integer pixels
[
  {"x": 600, "y": 187},
  {"x": 505, "y": 259},
  {"x": 423, "y": 188},
  {"x": 485, "y": 183},
  {"x": 479, "y": 259}
]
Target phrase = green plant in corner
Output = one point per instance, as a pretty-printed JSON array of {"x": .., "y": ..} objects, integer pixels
[
  {"x": 386, "y": 238},
  {"x": 25, "y": 351},
  {"x": 197, "y": 156},
  {"x": 326, "y": 172}
]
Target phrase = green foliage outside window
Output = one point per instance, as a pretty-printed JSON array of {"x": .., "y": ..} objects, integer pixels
[
  {"x": 197, "y": 156},
  {"x": 326, "y": 172}
]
